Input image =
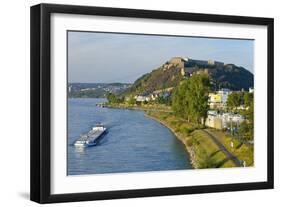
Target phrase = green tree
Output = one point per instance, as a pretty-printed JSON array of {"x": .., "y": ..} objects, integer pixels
[
  {"x": 179, "y": 100},
  {"x": 198, "y": 91},
  {"x": 246, "y": 128},
  {"x": 234, "y": 100},
  {"x": 190, "y": 100},
  {"x": 248, "y": 99},
  {"x": 131, "y": 101},
  {"x": 111, "y": 98},
  {"x": 245, "y": 131}
]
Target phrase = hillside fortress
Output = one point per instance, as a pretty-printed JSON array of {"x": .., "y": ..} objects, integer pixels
[
  {"x": 187, "y": 62},
  {"x": 188, "y": 65}
]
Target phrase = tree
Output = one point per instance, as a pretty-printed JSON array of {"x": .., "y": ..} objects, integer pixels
[
  {"x": 179, "y": 100},
  {"x": 248, "y": 99},
  {"x": 249, "y": 115},
  {"x": 245, "y": 131},
  {"x": 246, "y": 128},
  {"x": 197, "y": 97},
  {"x": 112, "y": 98},
  {"x": 190, "y": 100},
  {"x": 234, "y": 100},
  {"x": 131, "y": 101}
]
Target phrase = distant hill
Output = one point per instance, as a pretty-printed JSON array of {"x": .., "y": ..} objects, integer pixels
[
  {"x": 95, "y": 90},
  {"x": 177, "y": 69}
]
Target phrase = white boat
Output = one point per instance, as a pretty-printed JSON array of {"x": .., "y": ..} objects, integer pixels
[{"x": 92, "y": 137}]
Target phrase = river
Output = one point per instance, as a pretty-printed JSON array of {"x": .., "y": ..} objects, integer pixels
[{"x": 134, "y": 143}]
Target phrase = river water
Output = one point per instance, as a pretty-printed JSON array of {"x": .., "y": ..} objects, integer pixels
[{"x": 134, "y": 143}]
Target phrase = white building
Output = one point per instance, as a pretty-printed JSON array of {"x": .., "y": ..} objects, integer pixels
[
  {"x": 87, "y": 89},
  {"x": 142, "y": 98},
  {"x": 224, "y": 92},
  {"x": 224, "y": 120},
  {"x": 230, "y": 118}
]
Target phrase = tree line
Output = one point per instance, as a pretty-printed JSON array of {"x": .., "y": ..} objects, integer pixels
[
  {"x": 190, "y": 99},
  {"x": 246, "y": 99}
]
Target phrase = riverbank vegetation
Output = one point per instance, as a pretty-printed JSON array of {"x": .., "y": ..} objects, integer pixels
[
  {"x": 143, "y": 107},
  {"x": 241, "y": 149},
  {"x": 159, "y": 104},
  {"x": 184, "y": 112},
  {"x": 203, "y": 152}
]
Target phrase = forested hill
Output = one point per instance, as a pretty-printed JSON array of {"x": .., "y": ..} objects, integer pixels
[
  {"x": 232, "y": 77},
  {"x": 169, "y": 75},
  {"x": 158, "y": 79}
]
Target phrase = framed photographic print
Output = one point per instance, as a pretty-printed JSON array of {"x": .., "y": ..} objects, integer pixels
[{"x": 133, "y": 103}]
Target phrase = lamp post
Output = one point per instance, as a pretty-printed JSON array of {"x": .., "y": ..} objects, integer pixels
[{"x": 231, "y": 129}]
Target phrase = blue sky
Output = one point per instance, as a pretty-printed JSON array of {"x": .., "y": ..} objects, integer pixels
[{"x": 108, "y": 57}]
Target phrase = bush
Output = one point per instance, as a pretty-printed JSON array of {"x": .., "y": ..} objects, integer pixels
[
  {"x": 186, "y": 130},
  {"x": 174, "y": 123},
  {"x": 206, "y": 161},
  {"x": 189, "y": 142}
]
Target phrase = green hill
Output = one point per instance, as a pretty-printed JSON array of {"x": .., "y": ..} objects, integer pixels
[
  {"x": 171, "y": 74},
  {"x": 158, "y": 79},
  {"x": 232, "y": 77}
]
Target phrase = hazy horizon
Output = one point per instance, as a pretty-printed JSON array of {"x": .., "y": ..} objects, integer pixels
[{"x": 122, "y": 58}]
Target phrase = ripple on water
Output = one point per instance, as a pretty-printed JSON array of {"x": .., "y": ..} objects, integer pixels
[{"x": 134, "y": 143}]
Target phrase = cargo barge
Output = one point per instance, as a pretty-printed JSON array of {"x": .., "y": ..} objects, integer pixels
[{"x": 92, "y": 137}]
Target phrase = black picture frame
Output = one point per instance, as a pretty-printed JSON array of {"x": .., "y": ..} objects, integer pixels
[{"x": 41, "y": 102}]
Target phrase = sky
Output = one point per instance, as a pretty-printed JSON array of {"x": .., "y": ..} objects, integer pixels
[{"x": 110, "y": 57}]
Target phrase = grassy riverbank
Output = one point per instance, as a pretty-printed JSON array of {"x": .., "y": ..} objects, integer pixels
[
  {"x": 143, "y": 107},
  {"x": 242, "y": 151},
  {"x": 203, "y": 151}
]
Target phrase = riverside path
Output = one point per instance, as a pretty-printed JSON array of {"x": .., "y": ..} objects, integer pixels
[{"x": 229, "y": 155}]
